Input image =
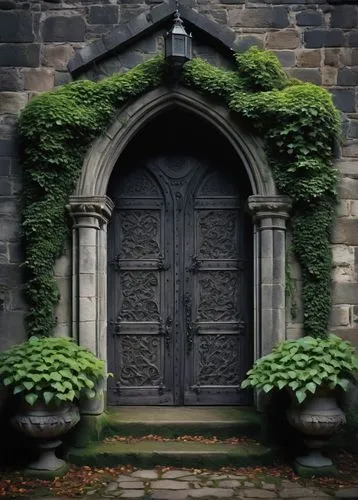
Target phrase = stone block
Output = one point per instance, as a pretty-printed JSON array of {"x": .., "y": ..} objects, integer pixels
[
  {"x": 9, "y": 231},
  {"x": 5, "y": 166},
  {"x": 345, "y": 293},
  {"x": 343, "y": 208},
  {"x": 352, "y": 38},
  {"x": 284, "y": 39},
  {"x": 323, "y": 38},
  {"x": 16, "y": 26},
  {"x": 309, "y": 18},
  {"x": 353, "y": 129},
  {"x": 350, "y": 57},
  {"x": 261, "y": 17},
  {"x": 340, "y": 316},
  {"x": 39, "y": 79},
  {"x": 20, "y": 54},
  {"x": 331, "y": 57},
  {"x": 344, "y": 99},
  {"x": 309, "y": 59},
  {"x": 88, "y": 286},
  {"x": 5, "y": 186},
  {"x": 344, "y": 16},
  {"x": 62, "y": 77},
  {"x": 346, "y": 232},
  {"x": 57, "y": 56},
  {"x": 103, "y": 14},
  {"x": 63, "y": 266},
  {"x": 8, "y": 147},
  {"x": 245, "y": 42},
  {"x": 347, "y": 76},
  {"x": 329, "y": 75},
  {"x": 343, "y": 255},
  {"x": 286, "y": 57},
  {"x": 353, "y": 208},
  {"x": 11, "y": 80},
  {"x": 69, "y": 28},
  {"x": 307, "y": 75},
  {"x": 17, "y": 252},
  {"x": 12, "y": 102},
  {"x": 12, "y": 328},
  {"x": 348, "y": 188},
  {"x": 351, "y": 149},
  {"x": 350, "y": 334}
]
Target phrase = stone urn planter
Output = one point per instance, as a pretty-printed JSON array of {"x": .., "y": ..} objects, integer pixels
[
  {"x": 46, "y": 423},
  {"x": 318, "y": 418}
]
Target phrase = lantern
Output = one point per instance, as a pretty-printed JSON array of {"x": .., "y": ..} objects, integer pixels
[{"x": 178, "y": 48}]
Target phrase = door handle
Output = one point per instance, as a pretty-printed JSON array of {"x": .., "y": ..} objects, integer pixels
[
  {"x": 166, "y": 331},
  {"x": 189, "y": 326}
]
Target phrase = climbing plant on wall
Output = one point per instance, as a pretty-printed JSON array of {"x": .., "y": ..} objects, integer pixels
[{"x": 297, "y": 120}]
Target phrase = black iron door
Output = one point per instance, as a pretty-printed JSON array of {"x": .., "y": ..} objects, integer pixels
[{"x": 178, "y": 290}]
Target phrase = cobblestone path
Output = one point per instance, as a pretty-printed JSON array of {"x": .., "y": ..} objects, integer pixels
[{"x": 182, "y": 484}]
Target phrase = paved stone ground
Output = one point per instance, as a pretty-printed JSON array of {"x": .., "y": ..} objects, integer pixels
[{"x": 181, "y": 485}]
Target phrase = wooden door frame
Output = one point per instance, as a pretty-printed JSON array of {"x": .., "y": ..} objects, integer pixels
[{"x": 91, "y": 209}]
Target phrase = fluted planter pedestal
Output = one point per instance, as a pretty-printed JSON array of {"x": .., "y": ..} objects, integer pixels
[
  {"x": 318, "y": 419},
  {"x": 46, "y": 424}
]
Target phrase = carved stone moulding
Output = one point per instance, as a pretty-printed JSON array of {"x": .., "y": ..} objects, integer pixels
[
  {"x": 270, "y": 206},
  {"x": 42, "y": 422},
  {"x": 90, "y": 211}
]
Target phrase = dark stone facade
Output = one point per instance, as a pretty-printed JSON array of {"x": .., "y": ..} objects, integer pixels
[{"x": 316, "y": 41}]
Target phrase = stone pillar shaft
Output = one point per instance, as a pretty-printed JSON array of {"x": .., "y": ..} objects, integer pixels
[
  {"x": 90, "y": 215},
  {"x": 270, "y": 215}
]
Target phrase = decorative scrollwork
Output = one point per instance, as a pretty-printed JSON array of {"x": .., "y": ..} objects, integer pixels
[
  {"x": 219, "y": 360},
  {"x": 218, "y": 234},
  {"x": 140, "y": 291},
  {"x": 140, "y": 234},
  {"x": 219, "y": 292},
  {"x": 139, "y": 360}
]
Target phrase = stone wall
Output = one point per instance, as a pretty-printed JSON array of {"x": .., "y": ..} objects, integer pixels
[{"x": 315, "y": 41}]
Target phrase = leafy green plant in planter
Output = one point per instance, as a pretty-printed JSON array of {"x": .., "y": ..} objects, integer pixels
[
  {"x": 50, "y": 370},
  {"x": 311, "y": 369},
  {"x": 49, "y": 375},
  {"x": 304, "y": 365}
]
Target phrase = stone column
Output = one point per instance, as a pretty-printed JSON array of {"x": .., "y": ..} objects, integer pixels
[
  {"x": 270, "y": 214},
  {"x": 90, "y": 215}
]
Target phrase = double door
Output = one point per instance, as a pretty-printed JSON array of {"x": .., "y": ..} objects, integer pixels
[{"x": 178, "y": 286}]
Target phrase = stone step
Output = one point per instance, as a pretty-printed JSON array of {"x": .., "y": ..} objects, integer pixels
[
  {"x": 149, "y": 453},
  {"x": 171, "y": 422}
]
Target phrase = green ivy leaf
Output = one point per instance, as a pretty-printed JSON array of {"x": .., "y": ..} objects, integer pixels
[{"x": 31, "y": 398}]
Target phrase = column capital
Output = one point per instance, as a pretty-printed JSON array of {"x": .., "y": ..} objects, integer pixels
[
  {"x": 90, "y": 211},
  {"x": 263, "y": 207}
]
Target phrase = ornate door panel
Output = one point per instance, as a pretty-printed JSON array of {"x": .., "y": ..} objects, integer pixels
[
  {"x": 140, "y": 352},
  {"x": 178, "y": 286},
  {"x": 215, "y": 305}
]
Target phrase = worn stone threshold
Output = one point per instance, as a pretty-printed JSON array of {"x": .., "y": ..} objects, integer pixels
[
  {"x": 223, "y": 422},
  {"x": 176, "y": 453}
]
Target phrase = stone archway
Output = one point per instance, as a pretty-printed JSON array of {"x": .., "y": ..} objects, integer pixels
[{"x": 91, "y": 209}]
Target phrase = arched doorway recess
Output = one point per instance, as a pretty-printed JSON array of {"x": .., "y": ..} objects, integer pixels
[{"x": 91, "y": 209}]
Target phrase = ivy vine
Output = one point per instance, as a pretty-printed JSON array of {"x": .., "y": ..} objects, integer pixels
[{"x": 297, "y": 120}]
